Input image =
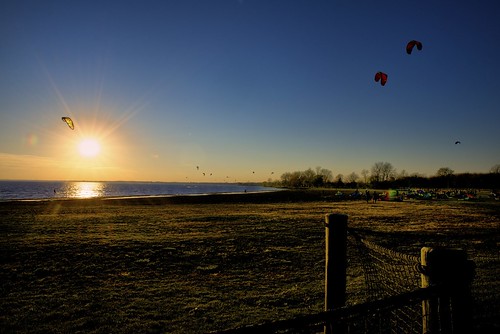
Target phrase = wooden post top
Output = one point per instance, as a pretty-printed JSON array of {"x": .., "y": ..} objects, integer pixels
[{"x": 446, "y": 266}]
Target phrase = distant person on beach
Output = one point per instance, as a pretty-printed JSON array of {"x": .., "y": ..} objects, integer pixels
[
  {"x": 375, "y": 197},
  {"x": 367, "y": 194}
]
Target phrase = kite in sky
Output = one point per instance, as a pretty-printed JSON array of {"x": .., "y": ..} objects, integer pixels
[
  {"x": 411, "y": 45},
  {"x": 69, "y": 121},
  {"x": 382, "y": 77},
  {"x": 458, "y": 142}
]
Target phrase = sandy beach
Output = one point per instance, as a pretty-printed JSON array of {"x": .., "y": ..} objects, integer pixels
[{"x": 193, "y": 264}]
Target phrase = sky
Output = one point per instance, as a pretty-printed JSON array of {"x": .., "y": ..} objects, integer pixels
[{"x": 246, "y": 90}]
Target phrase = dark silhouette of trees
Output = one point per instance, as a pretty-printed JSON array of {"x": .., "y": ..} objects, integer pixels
[
  {"x": 382, "y": 171},
  {"x": 445, "y": 172},
  {"x": 444, "y": 177},
  {"x": 326, "y": 174},
  {"x": 383, "y": 176},
  {"x": 339, "y": 183},
  {"x": 495, "y": 169},
  {"x": 352, "y": 180},
  {"x": 306, "y": 179},
  {"x": 412, "y": 181}
]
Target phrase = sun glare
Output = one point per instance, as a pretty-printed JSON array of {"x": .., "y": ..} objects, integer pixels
[{"x": 89, "y": 148}]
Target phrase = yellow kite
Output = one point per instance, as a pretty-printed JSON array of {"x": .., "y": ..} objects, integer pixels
[{"x": 68, "y": 121}]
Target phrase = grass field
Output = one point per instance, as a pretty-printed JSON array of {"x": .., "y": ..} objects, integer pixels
[{"x": 205, "y": 263}]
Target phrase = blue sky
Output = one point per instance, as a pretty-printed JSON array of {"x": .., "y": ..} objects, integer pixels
[{"x": 246, "y": 88}]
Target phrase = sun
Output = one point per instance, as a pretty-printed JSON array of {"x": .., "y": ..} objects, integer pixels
[{"x": 89, "y": 148}]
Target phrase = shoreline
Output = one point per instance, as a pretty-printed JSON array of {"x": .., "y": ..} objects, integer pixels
[
  {"x": 132, "y": 197},
  {"x": 50, "y": 191},
  {"x": 256, "y": 197}
]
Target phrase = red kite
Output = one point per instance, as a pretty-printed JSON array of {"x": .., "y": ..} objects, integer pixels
[
  {"x": 411, "y": 45},
  {"x": 68, "y": 121},
  {"x": 382, "y": 77}
]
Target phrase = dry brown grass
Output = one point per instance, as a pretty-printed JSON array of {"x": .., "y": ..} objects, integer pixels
[{"x": 199, "y": 264}]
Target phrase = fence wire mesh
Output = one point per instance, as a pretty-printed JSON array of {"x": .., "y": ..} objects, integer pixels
[{"x": 386, "y": 273}]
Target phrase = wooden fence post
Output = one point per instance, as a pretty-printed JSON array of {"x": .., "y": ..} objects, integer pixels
[
  {"x": 450, "y": 271},
  {"x": 335, "y": 263}
]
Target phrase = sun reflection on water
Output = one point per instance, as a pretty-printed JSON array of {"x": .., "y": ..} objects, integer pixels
[{"x": 86, "y": 189}]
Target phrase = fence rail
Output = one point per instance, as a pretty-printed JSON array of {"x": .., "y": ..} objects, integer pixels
[{"x": 340, "y": 315}]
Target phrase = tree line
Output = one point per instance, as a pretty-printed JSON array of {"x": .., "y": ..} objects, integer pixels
[{"x": 383, "y": 175}]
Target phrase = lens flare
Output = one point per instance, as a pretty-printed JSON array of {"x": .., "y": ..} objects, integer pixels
[{"x": 89, "y": 148}]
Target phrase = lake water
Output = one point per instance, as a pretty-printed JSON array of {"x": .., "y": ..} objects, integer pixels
[{"x": 36, "y": 190}]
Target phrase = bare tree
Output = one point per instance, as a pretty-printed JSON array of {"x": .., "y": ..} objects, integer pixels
[
  {"x": 351, "y": 178},
  {"x": 307, "y": 178},
  {"x": 376, "y": 172},
  {"x": 325, "y": 173},
  {"x": 495, "y": 169},
  {"x": 402, "y": 174},
  {"x": 309, "y": 174},
  {"x": 365, "y": 174},
  {"x": 388, "y": 172},
  {"x": 286, "y": 178},
  {"x": 445, "y": 171},
  {"x": 382, "y": 171}
]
